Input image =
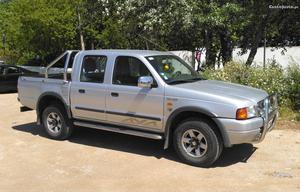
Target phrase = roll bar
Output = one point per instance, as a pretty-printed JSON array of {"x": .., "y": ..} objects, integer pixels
[{"x": 68, "y": 54}]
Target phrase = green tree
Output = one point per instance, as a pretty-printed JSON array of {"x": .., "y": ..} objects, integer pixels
[
  {"x": 47, "y": 28},
  {"x": 280, "y": 26},
  {"x": 39, "y": 27}
]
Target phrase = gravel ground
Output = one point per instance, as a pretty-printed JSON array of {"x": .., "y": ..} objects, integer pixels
[{"x": 95, "y": 160}]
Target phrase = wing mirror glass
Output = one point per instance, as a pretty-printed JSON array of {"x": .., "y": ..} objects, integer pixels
[{"x": 145, "y": 82}]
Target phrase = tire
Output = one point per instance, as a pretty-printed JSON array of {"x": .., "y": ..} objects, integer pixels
[
  {"x": 56, "y": 123},
  {"x": 197, "y": 142}
]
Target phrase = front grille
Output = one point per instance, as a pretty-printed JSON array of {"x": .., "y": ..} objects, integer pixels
[
  {"x": 267, "y": 109},
  {"x": 261, "y": 108},
  {"x": 267, "y": 106},
  {"x": 273, "y": 100}
]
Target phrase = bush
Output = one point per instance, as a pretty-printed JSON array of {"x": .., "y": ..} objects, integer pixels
[
  {"x": 272, "y": 79},
  {"x": 293, "y": 75}
]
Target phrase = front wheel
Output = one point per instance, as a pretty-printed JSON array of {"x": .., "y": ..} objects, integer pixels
[
  {"x": 56, "y": 123},
  {"x": 197, "y": 142}
]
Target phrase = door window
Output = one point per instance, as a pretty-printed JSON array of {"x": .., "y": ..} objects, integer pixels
[
  {"x": 12, "y": 70},
  {"x": 127, "y": 71},
  {"x": 93, "y": 69}
]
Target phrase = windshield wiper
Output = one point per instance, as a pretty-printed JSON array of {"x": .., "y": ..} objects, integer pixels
[
  {"x": 196, "y": 79},
  {"x": 177, "y": 81}
]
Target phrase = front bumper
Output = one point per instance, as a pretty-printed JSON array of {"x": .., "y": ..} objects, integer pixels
[
  {"x": 251, "y": 130},
  {"x": 245, "y": 131}
]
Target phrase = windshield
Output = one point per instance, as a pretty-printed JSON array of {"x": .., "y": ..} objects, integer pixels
[{"x": 172, "y": 69}]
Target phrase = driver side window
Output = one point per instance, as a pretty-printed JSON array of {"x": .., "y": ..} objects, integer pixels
[{"x": 127, "y": 71}]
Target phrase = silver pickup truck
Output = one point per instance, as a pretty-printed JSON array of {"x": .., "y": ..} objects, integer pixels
[{"x": 150, "y": 94}]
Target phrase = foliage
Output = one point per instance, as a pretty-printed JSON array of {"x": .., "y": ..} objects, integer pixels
[
  {"x": 38, "y": 27},
  {"x": 293, "y": 75}
]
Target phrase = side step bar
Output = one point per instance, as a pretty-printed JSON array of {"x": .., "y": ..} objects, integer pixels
[{"x": 118, "y": 130}]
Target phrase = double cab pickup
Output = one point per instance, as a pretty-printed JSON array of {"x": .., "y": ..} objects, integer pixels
[{"x": 149, "y": 94}]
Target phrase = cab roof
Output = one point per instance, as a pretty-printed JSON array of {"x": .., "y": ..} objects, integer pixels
[{"x": 127, "y": 52}]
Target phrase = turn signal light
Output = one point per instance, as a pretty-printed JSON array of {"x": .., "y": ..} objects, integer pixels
[{"x": 242, "y": 113}]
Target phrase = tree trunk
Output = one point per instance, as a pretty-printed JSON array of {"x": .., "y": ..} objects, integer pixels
[
  {"x": 80, "y": 31},
  {"x": 219, "y": 60},
  {"x": 226, "y": 46},
  {"x": 256, "y": 40},
  {"x": 211, "y": 52},
  {"x": 193, "y": 59}
]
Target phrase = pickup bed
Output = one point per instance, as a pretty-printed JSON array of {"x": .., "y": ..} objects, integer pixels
[{"x": 150, "y": 94}]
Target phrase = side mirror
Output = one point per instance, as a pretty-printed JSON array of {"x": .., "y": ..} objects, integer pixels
[{"x": 145, "y": 82}]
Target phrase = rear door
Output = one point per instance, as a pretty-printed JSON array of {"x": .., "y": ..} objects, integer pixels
[{"x": 88, "y": 92}]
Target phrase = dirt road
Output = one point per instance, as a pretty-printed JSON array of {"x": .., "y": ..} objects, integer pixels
[{"x": 95, "y": 160}]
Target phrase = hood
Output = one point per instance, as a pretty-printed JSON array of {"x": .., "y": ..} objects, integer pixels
[{"x": 222, "y": 91}]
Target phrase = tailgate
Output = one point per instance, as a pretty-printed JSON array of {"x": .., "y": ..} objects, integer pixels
[{"x": 29, "y": 90}]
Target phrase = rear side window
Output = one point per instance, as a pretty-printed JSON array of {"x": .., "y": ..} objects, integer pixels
[
  {"x": 127, "y": 71},
  {"x": 93, "y": 69},
  {"x": 56, "y": 71},
  {"x": 71, "y": 60}
]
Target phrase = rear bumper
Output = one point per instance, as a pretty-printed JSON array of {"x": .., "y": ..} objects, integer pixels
[{"x": 245, "y": 131}]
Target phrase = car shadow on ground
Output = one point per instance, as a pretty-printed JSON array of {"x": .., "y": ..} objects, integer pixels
[
  {"x": 137, "y": 145},
  {"x": 7, "y": 92}
]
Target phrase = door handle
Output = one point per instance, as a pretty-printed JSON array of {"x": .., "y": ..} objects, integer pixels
[
  {"x": 65, "y": 82},
  {"x": 81, "y": 91},
  {"x": 114, "y": 94}
]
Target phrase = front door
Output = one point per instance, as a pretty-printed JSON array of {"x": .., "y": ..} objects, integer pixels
[
  {"x": 88, "y": 93},
  {"x": 128, "y": 104},
  {"x": 11, "y": 78},
  {"x": 2, "y": 79}
]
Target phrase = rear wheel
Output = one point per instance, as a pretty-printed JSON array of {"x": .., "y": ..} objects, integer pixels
[
  {"x": 197, "y": 143},
  {"x": 56, "y": 123}
]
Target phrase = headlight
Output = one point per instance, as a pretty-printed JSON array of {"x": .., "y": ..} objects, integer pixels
[{"x": 246, "y": 113}]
